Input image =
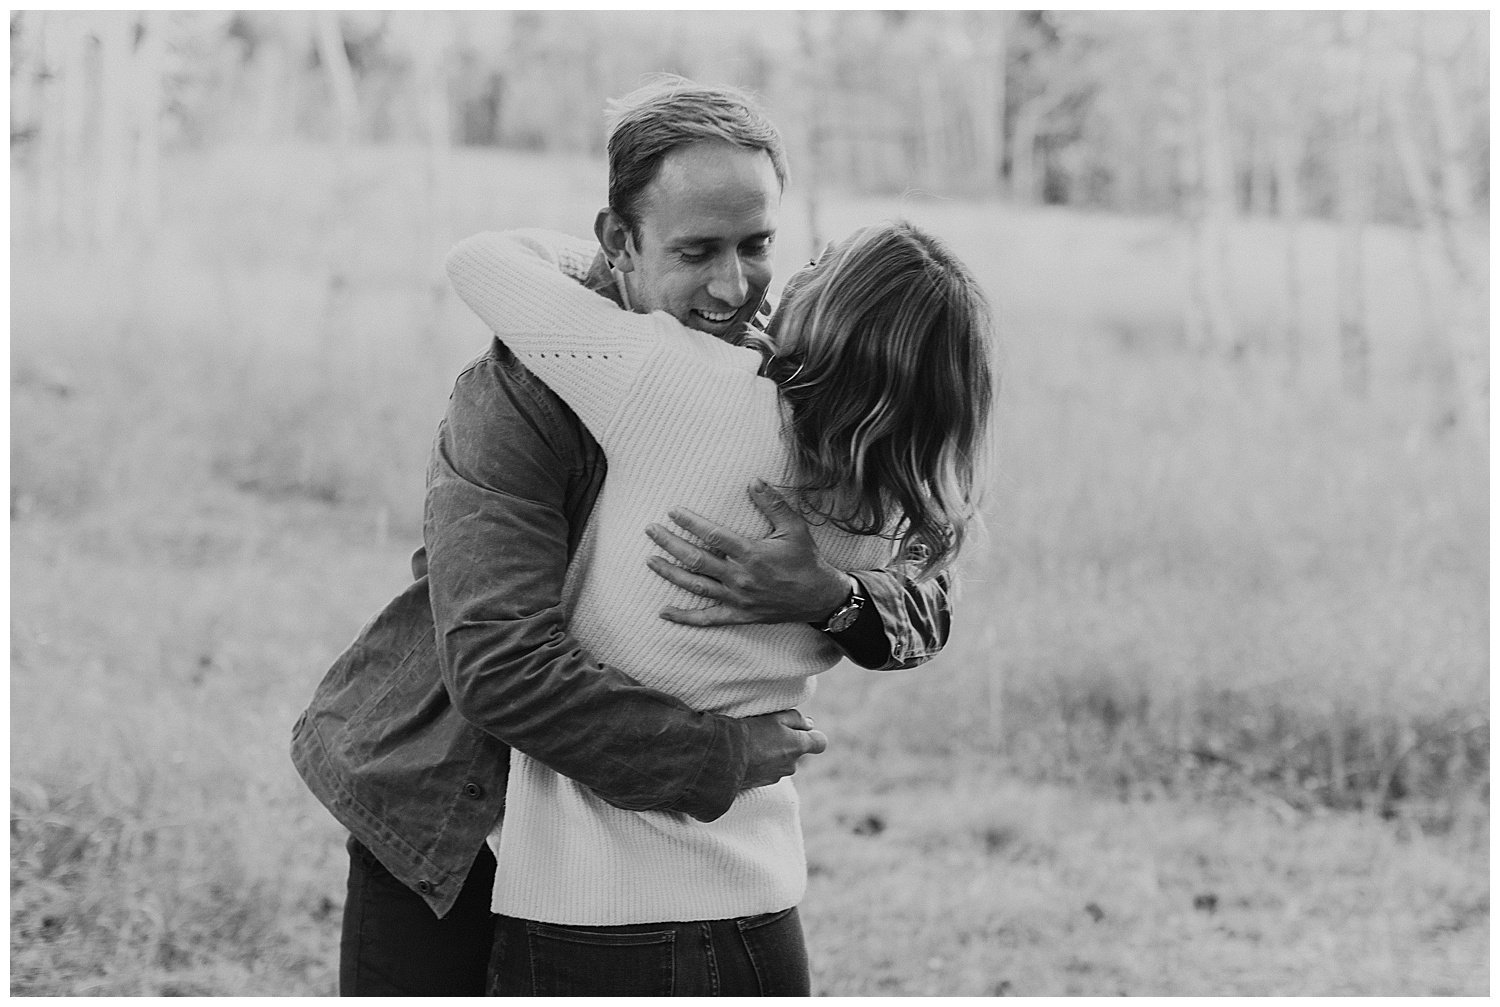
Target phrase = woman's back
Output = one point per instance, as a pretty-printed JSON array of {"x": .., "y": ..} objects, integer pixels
[{"x": 682, "y": 418}]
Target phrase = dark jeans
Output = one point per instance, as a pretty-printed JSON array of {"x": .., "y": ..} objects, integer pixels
[
  {"x": 392, "y": 943},
  {"x": 755, "y": 956}
]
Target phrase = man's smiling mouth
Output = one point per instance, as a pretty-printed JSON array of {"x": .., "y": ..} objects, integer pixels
[{"x": 713, "y": 317}]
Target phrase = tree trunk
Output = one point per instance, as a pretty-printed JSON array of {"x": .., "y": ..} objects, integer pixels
[
  {"x": 27, "y": 116},
  {"x": 1211, "y": 320},
  {"x": 1263, "y": 183},
  {"x": 1286, "y": 168},
  {"x": 431, "y": 46},
  {"x": 1466, "y": 254},
  {"x": 113, "y": 184},
  {"x": 1354, "y": 205},
  {"x": 1000, "y": 55},
  {"x": 269, "y": 89},
  {"x": 68, "y": 124},
  {"x": 1433, "y": 286},
  {"x": 1456, "y": 206},
  {"x": 150, "y": 56},
  {"x": 986, "y": 97},
  {"x": 1024, "y": 182},
  {"x": 809, "y": 38},
  {"x": 330, "y": 42}
]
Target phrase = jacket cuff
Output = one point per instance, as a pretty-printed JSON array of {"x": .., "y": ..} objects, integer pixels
[
  {"x": 720, "y": 774},
  {"x": 888, "y": 642},
  {"x": 867, "y": 641}
]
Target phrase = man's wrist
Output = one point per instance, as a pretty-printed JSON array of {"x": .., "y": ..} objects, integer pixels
[
  {"x": 843, "y": 615},
  {"x": 722, "y": 774}
]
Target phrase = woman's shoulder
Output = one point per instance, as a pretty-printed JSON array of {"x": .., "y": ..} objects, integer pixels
[{"x": 701, "y": 350}]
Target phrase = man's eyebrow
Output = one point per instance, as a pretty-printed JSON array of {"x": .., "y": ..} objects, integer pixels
[{"x": 715, "y": 239}]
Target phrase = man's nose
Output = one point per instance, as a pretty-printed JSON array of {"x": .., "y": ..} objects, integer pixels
[{"x": 728, "y": 285}]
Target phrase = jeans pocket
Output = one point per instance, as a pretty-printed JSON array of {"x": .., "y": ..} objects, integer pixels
[
  {"x": 778, "y": 953},
  {"x": 578, "y": 962}
]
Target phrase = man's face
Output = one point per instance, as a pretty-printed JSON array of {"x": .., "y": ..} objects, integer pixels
[{"x": 706, "y": 227}]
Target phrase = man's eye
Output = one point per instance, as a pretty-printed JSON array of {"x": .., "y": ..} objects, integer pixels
[
  {"x": 693, "y": 255},
  {"x": 759, "y": 249}
]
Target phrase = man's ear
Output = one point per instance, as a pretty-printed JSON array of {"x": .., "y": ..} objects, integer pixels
[{"x": 616, "y": 239}]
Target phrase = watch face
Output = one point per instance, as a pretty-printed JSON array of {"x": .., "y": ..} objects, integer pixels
[
  {"x": 843, "y": 618},
  {"x": 846, "y": 614}
]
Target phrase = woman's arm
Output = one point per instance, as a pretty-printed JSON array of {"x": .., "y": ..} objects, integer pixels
[{"x": 521, "y": 285}]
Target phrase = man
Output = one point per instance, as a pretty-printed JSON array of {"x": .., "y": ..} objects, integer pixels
[{"x": 406, "y": 740}]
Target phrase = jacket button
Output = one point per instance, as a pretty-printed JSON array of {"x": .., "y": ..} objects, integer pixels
[
  {"x": 424, "y": 886},
  {"x": 473, "y": 790}
]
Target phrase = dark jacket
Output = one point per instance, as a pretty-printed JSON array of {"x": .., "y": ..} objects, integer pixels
[{"x": 405, "y": 740}]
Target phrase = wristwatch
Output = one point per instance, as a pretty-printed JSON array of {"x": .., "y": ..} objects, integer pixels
[{"x": 848, "y": 613}]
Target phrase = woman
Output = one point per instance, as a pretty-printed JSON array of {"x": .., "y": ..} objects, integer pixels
[{"x": 865, "y": 401}]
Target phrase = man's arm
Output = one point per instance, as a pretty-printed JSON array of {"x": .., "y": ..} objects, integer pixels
[
  {"x": 498, "y": 532},
  {"x": 782, "y": 578}
]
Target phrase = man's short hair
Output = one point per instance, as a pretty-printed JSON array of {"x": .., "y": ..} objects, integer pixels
[{"x": 671, "y": 112}]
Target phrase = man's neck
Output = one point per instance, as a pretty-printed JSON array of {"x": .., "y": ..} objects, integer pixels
[{"x": 605, "y": 282}]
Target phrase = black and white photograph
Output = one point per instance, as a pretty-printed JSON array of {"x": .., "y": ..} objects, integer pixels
[{"x": 840, "y": 503}]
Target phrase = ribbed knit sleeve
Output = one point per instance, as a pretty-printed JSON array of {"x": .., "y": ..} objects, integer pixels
[{"x": 582, "y": 345}]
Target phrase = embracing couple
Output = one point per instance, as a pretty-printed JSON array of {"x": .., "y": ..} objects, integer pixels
[{"x": 564, "y": 752}]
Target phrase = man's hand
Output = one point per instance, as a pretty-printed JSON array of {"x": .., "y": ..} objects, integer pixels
[
  {"x": 777, "y": 741},
  {"x": 780, "y": 578}
]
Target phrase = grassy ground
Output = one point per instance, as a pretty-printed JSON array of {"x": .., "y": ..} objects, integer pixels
[
  {"x": 1215, "y": 719},
  {"x": 931, "y": 879}
]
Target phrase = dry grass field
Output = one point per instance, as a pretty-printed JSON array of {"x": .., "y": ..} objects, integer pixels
[{"x": 1214, "y": 719}]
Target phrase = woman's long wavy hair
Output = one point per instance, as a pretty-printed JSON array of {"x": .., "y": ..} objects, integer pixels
[{"x": 881, "y": 350}]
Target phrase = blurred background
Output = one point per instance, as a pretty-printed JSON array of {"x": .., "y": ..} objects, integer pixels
[{"x": 1214, "y": 718}]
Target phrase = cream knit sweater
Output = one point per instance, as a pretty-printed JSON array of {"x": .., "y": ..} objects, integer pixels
[{"x": 684, "y": 419}]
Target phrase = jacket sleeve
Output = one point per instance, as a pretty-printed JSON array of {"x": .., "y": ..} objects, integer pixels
[
  {"x": 905, "y": 624},
  {"x": 496, "y": 527},
  {"x": 524, "y": 285}
]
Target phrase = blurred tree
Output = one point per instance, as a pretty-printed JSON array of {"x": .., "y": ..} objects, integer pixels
[
  {"x": 481, "y": 79},
  {"x": 1351, "y": 80},
  {"x": 1207, "y": 116},
  {"x": 989, "y": 30},
  {"x": 148, "y": 105},
  {"x": 1051, "y": 81},
  {"x": 1210, "y": 182},
  {"x": 86, "y": 113},
  {"x": 1276, "y": 83},
  {"x": 812, "y": 42},
  {"x": 1089, "y": 114},
  {"x": 328, "y": 38},
  {"x": 426, "y": 43},
  {"x": 1436, "y": 156},
  {"x": 57, "y": 171}
]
